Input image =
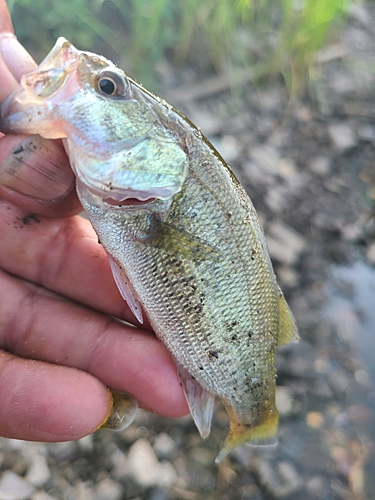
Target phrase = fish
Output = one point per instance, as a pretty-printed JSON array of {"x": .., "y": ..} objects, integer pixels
[{"x": 183, "y": 239}]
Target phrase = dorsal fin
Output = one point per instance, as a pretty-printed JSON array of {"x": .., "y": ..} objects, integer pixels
[{"x": 287, "y": 325}]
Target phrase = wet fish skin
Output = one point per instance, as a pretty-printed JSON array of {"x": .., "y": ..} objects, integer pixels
[{"x": 193, "y": 254}]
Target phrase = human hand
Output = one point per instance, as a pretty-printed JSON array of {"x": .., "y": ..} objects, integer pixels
[{"x": 59, "y": 349}]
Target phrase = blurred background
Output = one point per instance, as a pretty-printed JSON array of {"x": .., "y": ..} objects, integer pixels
[{"x": 285, "y": 91}]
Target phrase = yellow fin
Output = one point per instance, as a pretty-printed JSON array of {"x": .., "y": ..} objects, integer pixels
[
  {"x": 287, "y": 325},
  {"x": 263, "y": 434},
  {"x": 175, "y": 240}
]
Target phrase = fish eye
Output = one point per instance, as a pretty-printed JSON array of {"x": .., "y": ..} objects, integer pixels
[{"x": 110, "y": 84}]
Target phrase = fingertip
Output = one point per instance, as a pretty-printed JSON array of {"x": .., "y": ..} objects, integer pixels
[
  {"x": 15, "y": 56},
  {"x": 6, "y": 25},
  {"x": 45, "y": 402}
]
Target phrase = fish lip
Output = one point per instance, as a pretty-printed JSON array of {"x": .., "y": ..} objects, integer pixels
[{"x": 115, "y": 196}]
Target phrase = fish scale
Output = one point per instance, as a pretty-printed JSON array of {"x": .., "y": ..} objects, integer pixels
[{"x": 190, "y": 251}]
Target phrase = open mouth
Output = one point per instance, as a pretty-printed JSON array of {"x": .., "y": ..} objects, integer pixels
[{"x": 129, "y": 202}]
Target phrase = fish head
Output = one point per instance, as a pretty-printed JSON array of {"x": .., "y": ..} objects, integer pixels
[{"x": 120, "y": 139}]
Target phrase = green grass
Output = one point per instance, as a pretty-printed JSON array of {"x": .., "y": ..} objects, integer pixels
[{"x": 271, "y": 37}]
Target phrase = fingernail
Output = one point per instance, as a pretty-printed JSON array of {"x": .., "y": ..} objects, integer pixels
[
  {"x": 123, "y": 410},
  {"x": 15, "y": 56},
  {"x": 38, "y": 168}
]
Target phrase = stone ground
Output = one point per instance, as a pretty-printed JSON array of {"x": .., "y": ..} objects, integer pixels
[{"x": 309, "y": 169}]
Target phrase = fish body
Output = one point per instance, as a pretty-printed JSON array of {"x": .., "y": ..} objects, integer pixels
[{"x": 183, "y": 238}]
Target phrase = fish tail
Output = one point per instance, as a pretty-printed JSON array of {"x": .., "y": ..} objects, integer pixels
[{"x": 263, "y": 434}]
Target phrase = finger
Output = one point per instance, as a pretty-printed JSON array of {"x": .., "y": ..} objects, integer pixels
[
  {"x": 35, "y": 174},
  {"x": 44, "y": 402},
  {"x": 39, "y": 325},
  {"x": 62, "y": 255},
  {"x": 7, "y": 80},
  {"x": 6, "y": 25},
  {"x": 15, "y": 56}
]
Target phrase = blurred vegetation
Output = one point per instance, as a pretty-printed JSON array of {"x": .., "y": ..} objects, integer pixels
[{"x": 268, "y": 37}]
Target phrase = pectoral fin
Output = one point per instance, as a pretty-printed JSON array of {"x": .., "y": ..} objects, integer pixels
[
  {"x": 175, "y": 240},
  {"x": 200, "y": 401},
  {"x": 263, "y": 434},
  {"x": 287, "y": 325},
  {"x": 126, "y": 290}
]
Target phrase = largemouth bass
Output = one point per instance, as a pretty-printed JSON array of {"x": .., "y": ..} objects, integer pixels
[{"x": 183, "y": 238}]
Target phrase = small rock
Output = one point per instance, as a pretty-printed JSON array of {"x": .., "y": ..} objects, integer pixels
[
  {"x": 276, "y": 198},
  {"x": 164, "y": 445},
  {"x": 338, "y": 381},
  {"x": 317, "y": 487},
  {"x": 279, "y": 481},
  {"x": 370, "y": 254},
  {"x": 284, "y": 243},
  {"x": 287, "y": 276},
  {"x": 342, "y": 135},
  {"x": 108, "y": 490},
  {"x": 120, "y": 468},
  {"x": 63, "y": 451},
  {"x": 284, "y": 401},
  {"x": 166, "y": 474},
  {"x": 13, "y": 487},
  {"x": 86, "y": 443},
  {"x": 83, "y": 490},
  {"x": 366, "y": 133},
  {"x": 41, "y": 495},
  {"x": 39, "y": 472},
  {"x": 143, "y": 462},
  {"x": 267, "y": 159},
  {"x": 145, "y": 467},
  {"x": 320, "y": 165}
]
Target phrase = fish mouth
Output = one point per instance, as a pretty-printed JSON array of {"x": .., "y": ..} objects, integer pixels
[{"x": 128, "y": 202}]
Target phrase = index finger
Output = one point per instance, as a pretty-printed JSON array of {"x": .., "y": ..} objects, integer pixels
[{"x": 14, "y": 55}]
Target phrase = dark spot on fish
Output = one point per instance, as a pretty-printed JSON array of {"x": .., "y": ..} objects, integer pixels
[
  {"x": 250, "y": 334},
  {"x": 229, "y": 214},
  {"x": 193, "y": 378},
  {"x": 200, "y": 367},
  {"x": 99, "y": 242},
  {"x": 253, "y": 253},
  {"x": 28, "y": 218},
  {"x": 234, "y": 337},
  {"x": 205, "y": 163},
  {"x": 213, "y": 354},
  {"x": 19, "y": 150}
]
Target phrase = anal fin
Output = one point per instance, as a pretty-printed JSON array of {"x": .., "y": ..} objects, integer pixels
[
  {"x": 200, "y": 401},
  {"x": 126, "y": 290}
]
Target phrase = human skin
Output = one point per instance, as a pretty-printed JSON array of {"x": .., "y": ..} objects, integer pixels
[{"x": 60, "y": 350}]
